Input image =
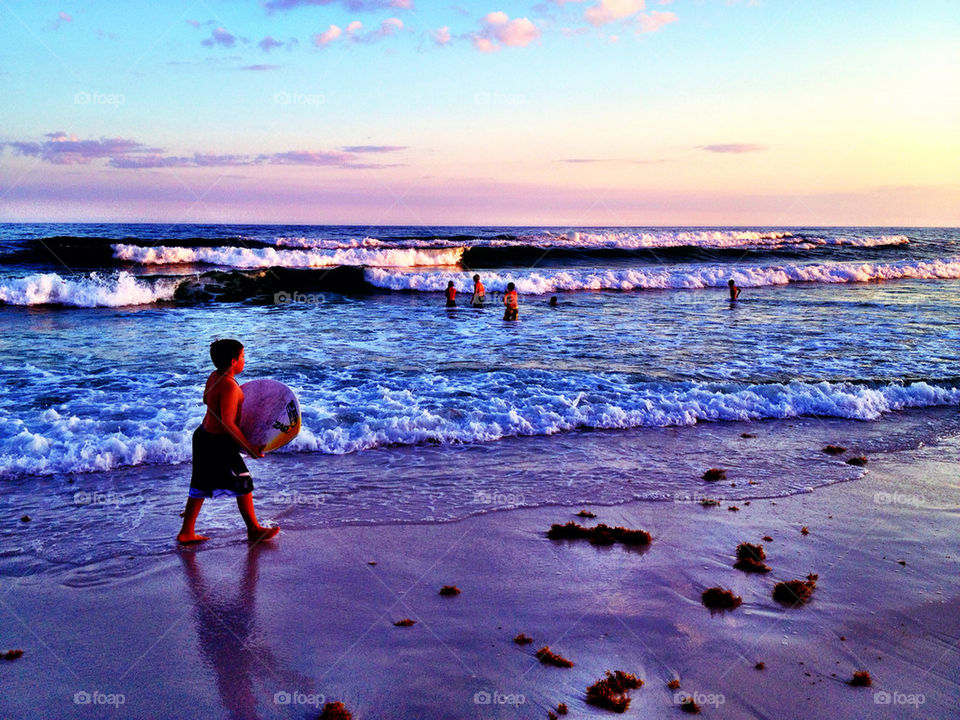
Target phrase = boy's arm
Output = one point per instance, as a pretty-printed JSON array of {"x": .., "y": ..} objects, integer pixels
[{"x": 229, "y": 404}]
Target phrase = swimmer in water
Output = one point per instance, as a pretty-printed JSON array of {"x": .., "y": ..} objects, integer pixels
[
  {"x": 451, "y": 295},
  {"x": 734, "y": 290},
  {"x": 510, "y": 302},
  {"x": 479, "y": 293}
]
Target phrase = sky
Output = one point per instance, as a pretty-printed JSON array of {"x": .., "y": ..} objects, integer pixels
[{"x": 553, "y": 112}]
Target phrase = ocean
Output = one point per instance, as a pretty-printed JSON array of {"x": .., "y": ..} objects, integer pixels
[{"x": 641, "y": 377}]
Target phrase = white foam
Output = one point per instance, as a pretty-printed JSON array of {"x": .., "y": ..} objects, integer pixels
[
  {"x": 241, "y": 257},
  {"x": 95, "y": 290},
  {"x": 673, "y": 277},
  {"x": 383, "y": 410}
]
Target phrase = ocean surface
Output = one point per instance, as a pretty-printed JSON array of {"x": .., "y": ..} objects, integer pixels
[{"x": 641, "y": 377}]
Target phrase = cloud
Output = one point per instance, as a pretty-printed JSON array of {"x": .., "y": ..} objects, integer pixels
[
  {"x": 268, "y": 44},
  {"x": 606, "y": 11},
  {"x": 259, "y": 68},
  {"x": 220, "y": 36},
  {"x": 352, "y": 5},
  {"x": 585, "y": 161},
  {"x": 62, "y": 18},
  {"x": 734, "y": 148},
  {"x": 498, "y": 29},
  {"x": 59, "y": 148},
  {"x": 654, "y": 20},
  {"x": 441, "y": 36},
  {"x": 373, "y": 148},
  {"x": 327, "y": 36}
]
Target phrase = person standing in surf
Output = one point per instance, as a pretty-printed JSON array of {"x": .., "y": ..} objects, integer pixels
[
  {"x": 510, "y": 302},
  {"x": 479, "y": 293},
  {"x": 451, "y": 293},
  {"x": 734, "y": 290},
  {"x": 218, "y": 468}
]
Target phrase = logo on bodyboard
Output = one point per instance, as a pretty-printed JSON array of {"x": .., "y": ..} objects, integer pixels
[{"x": 293, "y": 416}]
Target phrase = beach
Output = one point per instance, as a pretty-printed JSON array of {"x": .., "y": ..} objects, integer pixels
[{"x": 276, "y": 630}]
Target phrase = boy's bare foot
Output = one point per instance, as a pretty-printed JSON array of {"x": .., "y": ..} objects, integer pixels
[
  {"x": 190, "y": 538},
  {"x": 262, "y": 533}
]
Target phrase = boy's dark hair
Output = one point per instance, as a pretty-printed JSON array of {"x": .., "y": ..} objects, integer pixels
[
  {"x": 223, "y": 352},
  {"x": 476, "y": 278},
  {"x": 511, "y": 287}
]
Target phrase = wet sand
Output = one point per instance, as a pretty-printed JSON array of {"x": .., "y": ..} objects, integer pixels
[{"x": 274, "y": 630}]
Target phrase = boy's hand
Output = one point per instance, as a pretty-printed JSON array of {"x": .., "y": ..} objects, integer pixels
[{"x": 257, "y": 451}]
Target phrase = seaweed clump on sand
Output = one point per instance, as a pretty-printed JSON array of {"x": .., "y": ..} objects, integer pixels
[
  {"x": 689, "y": 706},
  {"x": 548, "y": 657},
  {"x": 718, "y": 598},
  {"x": 861, "y": 678},
  {"x": 793, "y": 592},
  {"x": 733, "y": 508},
  {"x": 406, "y": 622},
  {"x": 12, "y": 654},
  {"x": 709, "y": 502},
  {"x": 611, "y": 691},
  {"x": 759, "y": 666},
  {"x": 859, "y": 461},
  {"x": 600, "y": 535},
  {"x": 522, "y": 639},
  {"x": 715, "y": 475},
  {"x": 335, "y": 711},
  {"x": 804, "y": 530},
  {"x": 674, "y": 684},
  {"x": 562, "y": 709},
  {"x": 834, "y": 450},
  {"x": 449, "y": 590},
  {"x": 750, "y": 558},
  {"x": 586, "y": 514}
]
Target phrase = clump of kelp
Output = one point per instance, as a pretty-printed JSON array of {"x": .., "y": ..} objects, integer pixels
[
  {"x": 688, "y": 705},
  {"x": 406, "y": 622},
  {"x": 449, "y": 590},
  {"x": 523, "y": 639},
  {"x": 834, "y": 450},
  {"x": 718, "y": 598},
  {"x": 861, "y": 678},
  {"x": 750, "y": 558},
  {"x": 335, "y": 711},
  {"x": 859, "y": 461},
  {"x": 548, "y": 657},
  {"x": 600, "y": 535},
  {"x": 586, "y": 514},
  {"x": 715, "y": 475},
  {"x": 610, "y": 692},
  {"x": 794, "y": 592}
]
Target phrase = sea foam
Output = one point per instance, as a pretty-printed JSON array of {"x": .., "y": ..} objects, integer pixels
[{"x": 94, "y": 290}]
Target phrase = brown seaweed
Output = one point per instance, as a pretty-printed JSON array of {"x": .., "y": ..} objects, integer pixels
[
  {"x": 335, "y": 711},
  {"x": 406, "y": 622},
  {"x": 600, "y": 535},
  {"x": 794, "y": 592},
  {"x": 861, "y": 678},
  {"x": 12, "y": 654},
  {"x": 718, "y": 598},
  {"x": 548, "y": 657},
  {"x": 689, "y": 706},
  {"x": 715, "y": 474},
  {"x": 449, "y": 590},
  {"x": 750, "y": 558},
  {"x": 834, "y": 450},
  {"x": 522, "y": 639},
  {"x": 610, "y": 692},
  {"x": 586, "y": 514},
  {"x": 859, "y": 461}
]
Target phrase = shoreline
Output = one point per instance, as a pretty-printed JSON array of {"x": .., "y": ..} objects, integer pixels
[{"x": 204, "y": 632}]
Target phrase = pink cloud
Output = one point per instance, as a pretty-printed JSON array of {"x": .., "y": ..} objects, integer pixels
[
  {"x": 735, "y": 148},
  {"x": 62, "y": 18},
  {"x": 654, "y": 20},
  {"x": 441, "y": 36},
  {"x": 327, "y": 36},
  {"x": 606, "y": 11},
  {"x": 352, "y": 5},
  {"x": 498, "y": 29}
]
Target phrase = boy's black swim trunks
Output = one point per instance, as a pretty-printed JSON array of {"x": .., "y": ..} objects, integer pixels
[{"x": 218, "y": 468}]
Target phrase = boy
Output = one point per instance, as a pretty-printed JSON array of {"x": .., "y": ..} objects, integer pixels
[
  {"x": 218, "y": 468},
  {"x": 451, "y": 295},
  {"x": 510, "y": 302},
  {"x": 734, "y": 290},
  {"x": 479, "y": 293}
]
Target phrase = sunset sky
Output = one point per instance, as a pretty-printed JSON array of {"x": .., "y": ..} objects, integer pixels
[{"x": 557, "y": 112}]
